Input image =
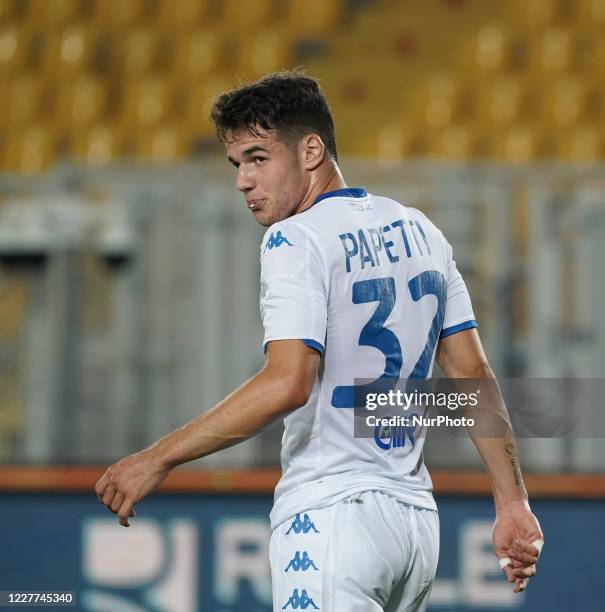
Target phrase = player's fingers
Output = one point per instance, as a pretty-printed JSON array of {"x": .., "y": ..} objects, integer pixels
[
  {"x": 520, "y": 585},
  {"x": 101, "y": 486},
  {"x": 125, "y": 512},
  {"x": 507, "y": 568},
  {"x": 108, "y": 495},
  {"x": 525, "y": 558},
  {"x": 117, "y": 502},
  {"x": 525, "y": 572},
  {"x": 534, "y": 549}
]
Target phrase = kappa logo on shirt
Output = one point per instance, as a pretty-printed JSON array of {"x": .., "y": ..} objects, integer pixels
[
  {"x": 300, "y": 602},
  {"x": 276, "y": 240},
  {"x": 301, "y": 564},
  {"x": 305, "y": 525}
]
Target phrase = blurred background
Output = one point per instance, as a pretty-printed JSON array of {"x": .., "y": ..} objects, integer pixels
[{"x": 129, "y": 272}]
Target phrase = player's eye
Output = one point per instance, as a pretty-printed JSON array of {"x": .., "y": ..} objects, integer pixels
[{"x": 259, "y": 161}]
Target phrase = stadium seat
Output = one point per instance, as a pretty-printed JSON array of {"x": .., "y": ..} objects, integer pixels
[
  {"x": 184, "y": 15},
  {"x": 146, "y": 102},
  {"x": 52, "y": 14},
  {"x": 583, "y": 143},
  {"x": 163, "y": 144},
  {"x": 590, "y": 15},
  {"x": 552, "y": 52},
  {"x": 199, "y": 53},
  {"x": 492, "y": 49},
  {"x": 199, "y": 100},
  {"x": 117, "y": 14},
  {"x": 564, "y": 102},
  {"x": 69, "y": 52},
  {"x": 264, "y": 52},
  {"x": 535, "y": 14},
  {"x": 30, "y": 150},
  {"x": 23, "y": 101},
  {"x": 14, "y": 49},
  {"x": 312, "y": 18},
  {"x": 136, "y": 53},
  {"x": 97, "y": 145},
  {"x": 81, "y": 102},
  {"x": 504, "y": 100},
  {"x": 520, "y": 143},
  {"x": 247, "y": 17},
  {"x": 455, "y": 143}
]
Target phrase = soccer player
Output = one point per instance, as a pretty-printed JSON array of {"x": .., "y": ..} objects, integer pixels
[{"x": 353, "y": 285}]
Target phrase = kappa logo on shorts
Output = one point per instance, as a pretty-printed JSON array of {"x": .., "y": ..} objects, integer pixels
[
  {"x": 301, "y": 564},
  {"x": 305, "y": 525},
  {"x": 276, "y": 241},
  {"x": 299, "y": 602}
]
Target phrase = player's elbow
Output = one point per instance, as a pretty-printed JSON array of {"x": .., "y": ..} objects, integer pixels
[{"x": 297, "y": 391}]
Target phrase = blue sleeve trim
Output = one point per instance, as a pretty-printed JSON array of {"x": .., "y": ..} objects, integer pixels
[
  {"x": 308, "y": 342},
  {"x": 448, "y": 331}
]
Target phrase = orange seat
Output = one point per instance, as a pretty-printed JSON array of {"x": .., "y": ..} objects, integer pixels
[{"x": 29, "y": 150}]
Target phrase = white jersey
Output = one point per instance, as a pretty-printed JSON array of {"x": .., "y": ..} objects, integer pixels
[{"x": 372, "y": 285}]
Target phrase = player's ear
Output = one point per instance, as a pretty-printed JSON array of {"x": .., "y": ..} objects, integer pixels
[{"x": 313, "y": 151}]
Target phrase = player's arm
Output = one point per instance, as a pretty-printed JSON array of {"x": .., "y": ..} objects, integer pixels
[
  {"x": 283, "y": 385},
  {"x": 461, "y": 355}
]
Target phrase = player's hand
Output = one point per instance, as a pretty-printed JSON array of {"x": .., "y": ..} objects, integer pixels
[
  {"x": 128, "y": 481},
  {"x": 517, "y": 540}
]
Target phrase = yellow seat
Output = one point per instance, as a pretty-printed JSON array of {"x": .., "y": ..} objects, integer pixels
[
  {"x": 117, "y": 14},
  {"x": 536, "y": 14},
  {"x": 312, "y": 18},
  {"x": 247, "y": 17},
  {"x": 183, "y": 15},
  {"x": 14, "y": 49},
  {"x": 81, "y": 102},
  {"x": 97, "y": 145},
  {"x": 24, "y": 101},
  {"x": 136, "y": 55},
  {"x": 582, "y": 143},
  {"x": 264, "y": 52},
  {"x": 491, "y": 50},
  {"x": 590, "y": 15},
  {"x": 552, "y": 52},
  {"x": 199, "y": 53},
  {"x": 163, "y": 144},
  {"x": 29, "y": 150},
  {"x": 442, "y": 100},
  {"x": 520, "y": 143},
  {"x": 564, "y": 102},
  {"x": 504, "y": 100},
  {"x": 52, "y": 14},
  {"x": 69, "y": 52},
  {"x": 146, "y": 102},
  {"x": 200, "y": 98}
]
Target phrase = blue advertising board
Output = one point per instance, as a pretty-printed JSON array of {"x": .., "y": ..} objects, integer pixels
[{"x": 186, "y": 553}]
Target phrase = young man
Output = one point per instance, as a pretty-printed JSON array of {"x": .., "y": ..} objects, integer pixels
[{"x": 370, "y": 288}]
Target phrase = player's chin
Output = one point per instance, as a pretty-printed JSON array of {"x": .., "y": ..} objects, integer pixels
[{"x": 263, "y": 217}]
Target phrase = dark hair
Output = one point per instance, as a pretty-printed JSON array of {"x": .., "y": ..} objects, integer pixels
[{"x": 289, "y": 102}]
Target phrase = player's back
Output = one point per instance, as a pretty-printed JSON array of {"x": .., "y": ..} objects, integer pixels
[{"x": 372, "y": 285}]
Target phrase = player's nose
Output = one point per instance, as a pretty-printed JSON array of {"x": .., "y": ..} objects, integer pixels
[{"x": 244, "y": 180}]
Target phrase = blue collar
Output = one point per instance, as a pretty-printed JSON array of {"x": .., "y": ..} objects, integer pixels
[{"x": 346, "y": 192}]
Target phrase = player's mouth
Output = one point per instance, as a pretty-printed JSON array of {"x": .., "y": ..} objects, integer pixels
[{"x": 254, "y": 204}]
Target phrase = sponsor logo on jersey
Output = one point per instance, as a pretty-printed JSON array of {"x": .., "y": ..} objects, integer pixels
[
  {"x": 305, "y": 525},
  {"x": 299, "y": 602},
  {"x": 301, "y": 563},
  {"x": 394, "y": 437},
  {"x": 276, "y": 240}
]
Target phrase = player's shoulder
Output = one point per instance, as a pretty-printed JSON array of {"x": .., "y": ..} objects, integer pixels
[{"x": 285, "y": 233}]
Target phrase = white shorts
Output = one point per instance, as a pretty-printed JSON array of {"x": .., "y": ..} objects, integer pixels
[{"x": 366, "y": 553}]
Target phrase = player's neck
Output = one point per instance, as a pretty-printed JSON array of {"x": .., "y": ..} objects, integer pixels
[{"x": 324, "y": 181}]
